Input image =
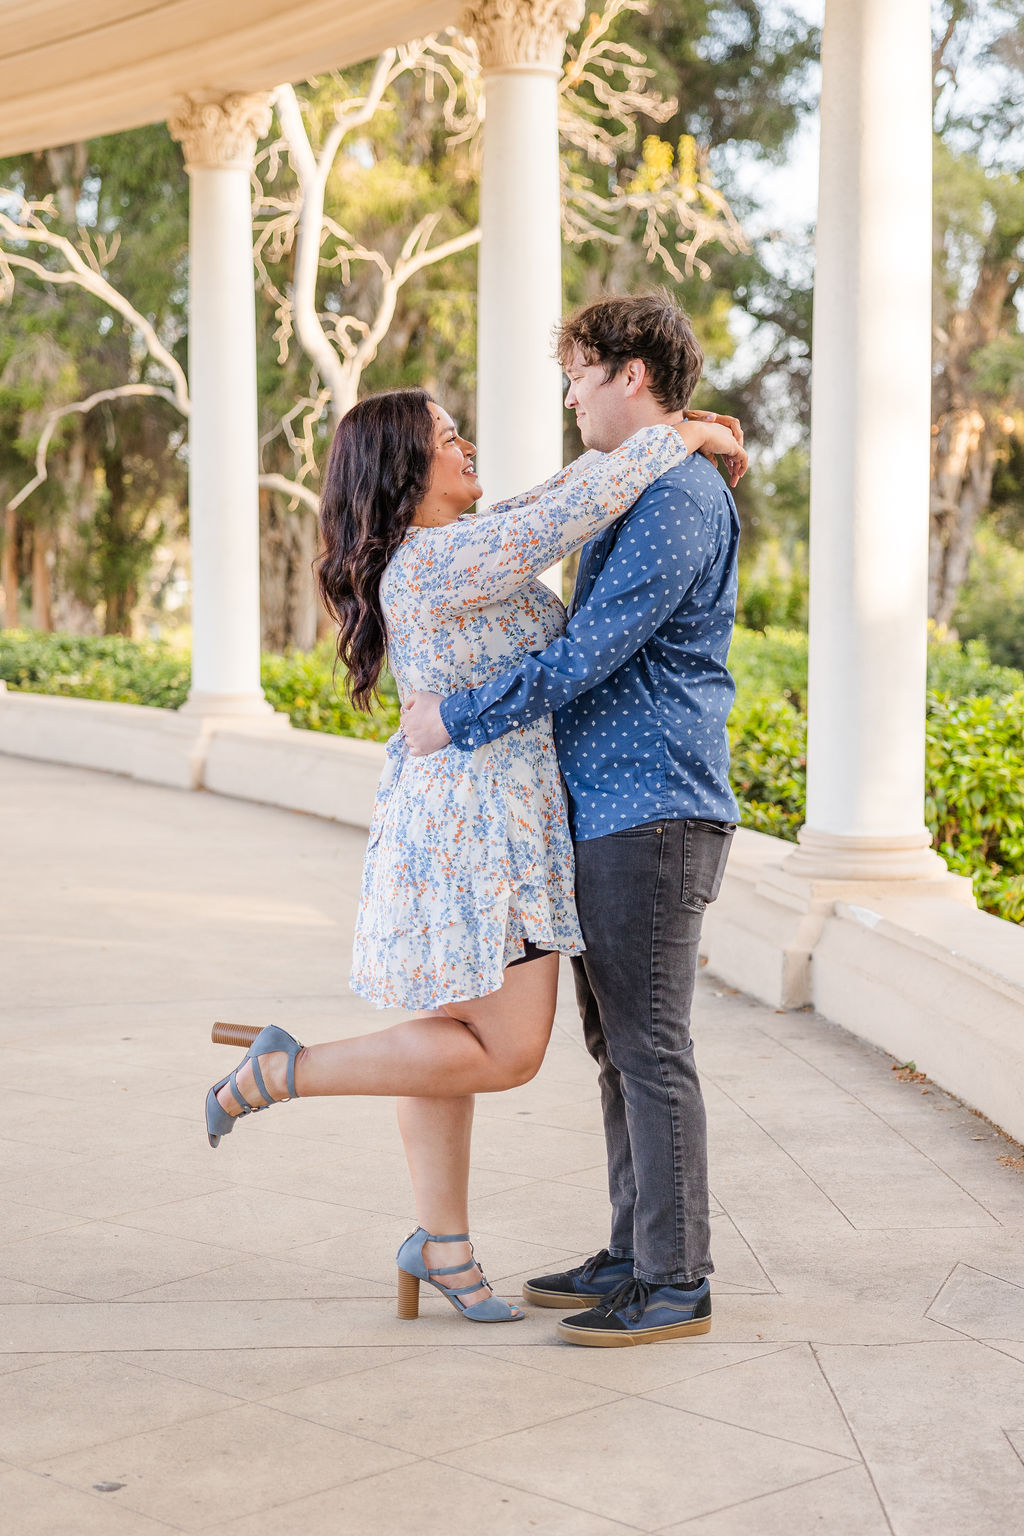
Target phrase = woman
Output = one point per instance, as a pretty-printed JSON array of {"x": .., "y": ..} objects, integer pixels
[{"x": 467, "y": 892}]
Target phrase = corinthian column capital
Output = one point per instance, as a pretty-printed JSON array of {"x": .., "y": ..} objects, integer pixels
[
  {"x": 521, "y": 34},
  {"x": 220, "y": 134}
]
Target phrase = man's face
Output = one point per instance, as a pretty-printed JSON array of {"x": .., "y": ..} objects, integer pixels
[{"x": 600, "y": 403}]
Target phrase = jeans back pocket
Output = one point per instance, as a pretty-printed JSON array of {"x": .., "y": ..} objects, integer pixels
[{"x": 706, "y": 847}]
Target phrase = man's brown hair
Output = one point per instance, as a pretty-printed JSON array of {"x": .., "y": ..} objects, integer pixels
[{"x": 651, "y": 327}]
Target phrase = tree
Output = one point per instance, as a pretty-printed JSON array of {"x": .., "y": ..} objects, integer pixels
[
  {"x": 66, "y": 358},
  {"x": 978, "y": 388}
]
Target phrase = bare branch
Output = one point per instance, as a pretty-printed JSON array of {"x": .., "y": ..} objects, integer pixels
[
  {"x": 416, "y": 255},
  {"x": 300, "y": 495},
  {"x": 29, "y": 227},
  {"x": 82, "y": 408}
]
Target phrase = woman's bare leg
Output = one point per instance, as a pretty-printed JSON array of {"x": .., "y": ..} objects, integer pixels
[
  {"x": 479, "y": 1046},
  {"x": 436, "y": 1134}
]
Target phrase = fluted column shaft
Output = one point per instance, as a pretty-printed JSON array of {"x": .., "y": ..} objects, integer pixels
[
  {"x": 219, "y": 141},
  {"x": 519, "y": 291},
  {"x": 869, "y": 448}
]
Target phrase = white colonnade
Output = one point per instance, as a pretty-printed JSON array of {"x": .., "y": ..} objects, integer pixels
[
  {"x": 219, "y": 141},
  {"x": 519, "y": 288},
  {"x": 870, "y": 417}
]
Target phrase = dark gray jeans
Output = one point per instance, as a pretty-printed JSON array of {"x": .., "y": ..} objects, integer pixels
[{"x": 641, "y": 896}]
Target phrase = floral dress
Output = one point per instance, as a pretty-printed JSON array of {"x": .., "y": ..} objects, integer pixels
[{"x": 469, "y": 853}]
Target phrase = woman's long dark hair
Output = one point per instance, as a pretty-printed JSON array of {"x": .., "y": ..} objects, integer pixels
[{"x": 378, "y": 471}]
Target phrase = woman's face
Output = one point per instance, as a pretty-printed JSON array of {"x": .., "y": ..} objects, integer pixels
[{"x": 454, "y": 486}]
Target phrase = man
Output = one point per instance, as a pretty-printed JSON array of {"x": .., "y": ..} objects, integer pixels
[{"x": 640, "y": 694}]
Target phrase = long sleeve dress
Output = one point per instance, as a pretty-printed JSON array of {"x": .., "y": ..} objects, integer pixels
[{"x": 469, "y": 853}]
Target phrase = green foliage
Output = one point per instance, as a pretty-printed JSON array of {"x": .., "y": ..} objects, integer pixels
[
  {"x": 975, "y": 765},
  {"x": 94, "y": 667},
  {"x": 992, "y": 600},
  {"x": 774, "y": 587},
  {"x": 768, "y": 737},
  {"x": 771, "y": 665},
  {"x": 303, "y": 685},
  {"x": 146, "y": 672},
  {"x": 967, "y": 670}
]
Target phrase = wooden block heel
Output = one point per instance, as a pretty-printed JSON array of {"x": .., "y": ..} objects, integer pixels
[
  {"x": 413, "y": 1267},
  {"x": 408, "y": 1295}
]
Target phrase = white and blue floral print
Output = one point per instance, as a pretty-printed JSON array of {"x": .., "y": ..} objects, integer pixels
[{"x": 469, "y": 853}]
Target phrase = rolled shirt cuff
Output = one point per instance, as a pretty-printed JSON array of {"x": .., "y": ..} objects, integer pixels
[{"x": 461, "y": 722}]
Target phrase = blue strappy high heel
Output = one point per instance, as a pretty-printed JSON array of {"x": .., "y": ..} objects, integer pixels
[
  {"x": 218, "y": 1122},
  {"x": 412, "y": 1268}
]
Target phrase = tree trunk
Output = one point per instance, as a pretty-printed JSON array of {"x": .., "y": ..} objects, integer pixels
[
  {"x": 73, "y": 611},
  {"x": 288, "y": 600},
  {"x": 965, "y": 433},
  {"x": 118, "y": 589},
  {"x": 9, "y": 569},
  {"x": 42, "y": 584},
  {"x": 963, "y": 465}
]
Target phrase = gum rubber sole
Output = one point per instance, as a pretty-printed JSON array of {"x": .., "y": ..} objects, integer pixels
[
  {"x": 562, "y": 1299},
  {"x": 606, "y": 1338}
]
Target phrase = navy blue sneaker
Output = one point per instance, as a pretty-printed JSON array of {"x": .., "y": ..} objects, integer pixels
[
  {"x": 638, "y": 1313},
  {"x": 583, "y": 1286}
]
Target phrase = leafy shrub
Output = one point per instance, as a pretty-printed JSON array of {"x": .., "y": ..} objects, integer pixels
[
  {"x": 992, "y": 601},
  {"x": 975, "y": 730},
  {"x": 964, "y": 671},
  {"x": 773, "y": 587},
  {"x": 974, "y": 770},
  {"x": 302, "y": 684},
  {"x": 770, "y": 665},
  {"x": 147, "y": 672},
  {"x": 768, "y": 738},
  {"x": 95, "y": 667}
]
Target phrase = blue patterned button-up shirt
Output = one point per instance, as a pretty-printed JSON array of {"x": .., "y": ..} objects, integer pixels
[{"x": 638, "y": 684}]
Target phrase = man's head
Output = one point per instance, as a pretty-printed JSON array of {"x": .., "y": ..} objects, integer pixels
[{"x": 630, "y": 362}]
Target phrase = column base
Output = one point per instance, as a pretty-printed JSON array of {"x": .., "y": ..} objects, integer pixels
[
  {"x": 839, "y": 857},
  {"x": 242, "y": 709}
]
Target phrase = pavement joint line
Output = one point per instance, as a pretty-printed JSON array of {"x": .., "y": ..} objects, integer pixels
[
  {"x": 90, "y": 1493},
  {"x": 894, "y": 1129},
  {"x": 437, "y": 1461},
  {"x": 855, "y": 1439},
  {"x": 1013, "y": 1448},
  {"x": 784, "y": 1150},
  {"x": 550, "y": 1370},
  {"x": 766, "y": 1434},
  {"x": 805, "y": 1482}
]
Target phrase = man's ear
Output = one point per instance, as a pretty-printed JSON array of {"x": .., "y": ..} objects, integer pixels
[{"x": 634, "y": 377}]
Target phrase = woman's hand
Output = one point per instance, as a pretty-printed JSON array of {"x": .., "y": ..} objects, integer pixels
[
  {"x": 714, "y": 437},
  {"x": 723, "y": 421},
  {"x": 421, "y": 721}
]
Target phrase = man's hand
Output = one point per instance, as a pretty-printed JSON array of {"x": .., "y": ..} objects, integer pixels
[{"x": 422, "y": 724}]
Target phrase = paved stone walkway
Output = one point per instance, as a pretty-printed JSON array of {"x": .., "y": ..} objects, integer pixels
[{"x": 206, "y": 1341}]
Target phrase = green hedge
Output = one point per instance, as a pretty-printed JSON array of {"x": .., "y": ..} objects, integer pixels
[
  {"x": 146, "y": 672},
  {"x": 975, "y": 730}
]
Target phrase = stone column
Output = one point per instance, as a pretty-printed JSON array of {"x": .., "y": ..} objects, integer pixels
[
  {"x": 519, "y": 289},
  {"x": 219, "y": 140},
  {"x": 870, "y": 420}
]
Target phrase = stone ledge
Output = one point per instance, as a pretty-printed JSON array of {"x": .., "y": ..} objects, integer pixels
[
  {"x": 156, "y": 745},
  {"x": 259, "y": 759},
  {"x": 330, "y": 776}
]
